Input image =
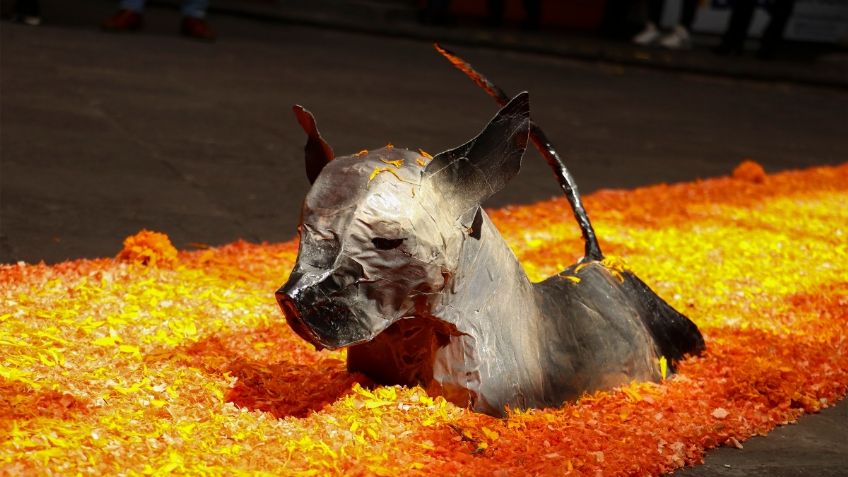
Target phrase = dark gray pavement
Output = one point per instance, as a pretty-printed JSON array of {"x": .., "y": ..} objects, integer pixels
[
  {"x": 814, "y": 447},
  {"x": 102, "y": 135},
  {"x": 822, "y": 65}
]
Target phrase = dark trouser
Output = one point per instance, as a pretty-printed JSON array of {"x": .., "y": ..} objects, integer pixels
[
  {"x": 436, "y": 11},
  {"x": 533, "y": 8},
  {"x": 687, "y": 15},
  {"x": 27, "y": 8},
  {"x": 780, "y": 12},
  {"x": 740, "y": 20}
]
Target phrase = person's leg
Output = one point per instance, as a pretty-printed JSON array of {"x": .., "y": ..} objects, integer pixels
[
  {"x": 436, "y": 12},
  {"x": 679, "y": 37},
  {"x": 780, "y": 12},
  {"x": 496, "y": 12},
  {"x": 27, "y": 12},
  {"x": 195, "y": 8},
  {"x": 651, "y": 33},
  {"x": 655, "y": 8},
  {"x": 27, "y": 8},
  {"x": 533, "y": 8},
  {"x": 687, "y": 15},
  {"x": 733, "y": 40},
  {"x": 133, "y": 5},
  {"x": 128, "y": 18},
  {"x": 194, "y": 24}
]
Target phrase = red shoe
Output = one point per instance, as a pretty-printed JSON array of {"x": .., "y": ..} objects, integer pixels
[
  {"x": 198, "y": 29},
  {"x": 124, "y": 20}
]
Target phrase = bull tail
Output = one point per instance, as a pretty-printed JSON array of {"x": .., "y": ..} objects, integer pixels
[
  {"x": 546, "y": 148},
  {"x": 674, "y": 334}
]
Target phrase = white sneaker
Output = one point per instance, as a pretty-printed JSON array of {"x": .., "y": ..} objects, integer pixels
[
  {"x": 678, "y": 39},
  {"x": 647, "y": 36}
]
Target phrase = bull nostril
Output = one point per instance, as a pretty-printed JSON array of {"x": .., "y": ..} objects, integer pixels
[
  {"x": 295, "y": 319},
  {"x": 287, "y": 305}
]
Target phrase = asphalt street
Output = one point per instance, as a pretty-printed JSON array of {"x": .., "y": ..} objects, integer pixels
[{"x": 102, "y": 135}]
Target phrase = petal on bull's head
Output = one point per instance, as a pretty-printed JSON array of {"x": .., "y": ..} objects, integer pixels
[
  {"x": 318, "y": 152},
  {"x": 469, "y": 174}
]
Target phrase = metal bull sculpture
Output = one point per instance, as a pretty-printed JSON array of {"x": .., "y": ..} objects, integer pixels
[{"x": 399, "y": 263}]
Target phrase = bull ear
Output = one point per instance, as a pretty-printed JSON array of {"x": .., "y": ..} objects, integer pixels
[
  {"x": 318, "y": 152},
  {"x": 469, "y": 174}
]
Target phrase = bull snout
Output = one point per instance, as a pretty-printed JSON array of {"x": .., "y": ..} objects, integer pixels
[
  {"x": 295, "y": 319},
  {"x": 318, "y": 316}
]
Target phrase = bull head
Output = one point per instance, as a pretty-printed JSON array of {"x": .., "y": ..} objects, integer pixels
[{"x": 381, "y": 232}]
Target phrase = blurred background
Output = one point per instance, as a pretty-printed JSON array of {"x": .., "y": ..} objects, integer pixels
[
  {"x": 109, "y": 127},
  {"x": 175, "y": 116}
]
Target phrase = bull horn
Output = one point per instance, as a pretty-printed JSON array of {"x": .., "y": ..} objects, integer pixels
[{"x": 317, "y": 152}]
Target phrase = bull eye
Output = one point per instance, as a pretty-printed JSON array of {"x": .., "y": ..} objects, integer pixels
[{"x": 385, "y": 243}]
